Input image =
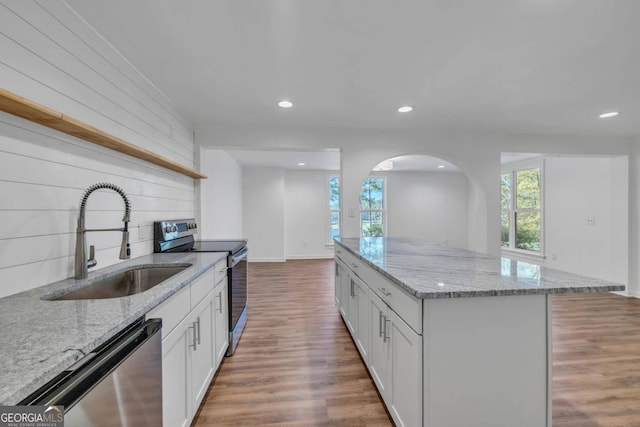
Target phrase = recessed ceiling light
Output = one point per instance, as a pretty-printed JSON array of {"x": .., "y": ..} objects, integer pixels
[
  {"x": 440, "y": 166},
  {"x": 301, "y": 164},
  {"x": 405, "y": 109},
  {"x": 285, "y": 104},
  {"x": 607, "y": 115}
]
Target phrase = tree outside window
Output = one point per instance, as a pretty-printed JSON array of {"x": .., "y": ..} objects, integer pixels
[
  {"x": 334, "y": 207},
  {"x": 372, "y": 207},
  {"x": 521, "y": 209}
]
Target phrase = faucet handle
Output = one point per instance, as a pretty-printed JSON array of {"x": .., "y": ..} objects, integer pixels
[{"x": 91, "y": 262}]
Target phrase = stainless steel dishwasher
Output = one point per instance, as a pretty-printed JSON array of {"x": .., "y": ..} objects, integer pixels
[{"x": 118, "y": 384}]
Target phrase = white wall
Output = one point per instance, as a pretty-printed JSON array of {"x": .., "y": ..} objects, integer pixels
[
  {"x": 52, "y": 57},
  {"x": 577, "y": 188},
  {"x": 220, "y": 196},
  {"x": 307, "y": 214},
  {"x": 477, "y": 155},
  {"x": 263, "y": 219},
  {"x": 429, "y": 205}
]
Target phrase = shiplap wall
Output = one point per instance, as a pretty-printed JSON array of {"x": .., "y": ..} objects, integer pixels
[{"x": 51, "y": 56}]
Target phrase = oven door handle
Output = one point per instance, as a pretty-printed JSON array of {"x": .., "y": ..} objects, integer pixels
[{"x": 239, "y": 256}]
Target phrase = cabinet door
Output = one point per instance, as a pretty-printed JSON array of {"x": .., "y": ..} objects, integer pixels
[
  {"x": 221, "y": 303},
  {"x": 405, "y": 372},
  {"x": 361, "y": 318},
  {"x": 176, "y": 377},
  {"x": 342, "y": 289},
  {"x": 378, "y": 345},
  {"x": 352, "y": 301},
  {"x": 203, "y": 353}
]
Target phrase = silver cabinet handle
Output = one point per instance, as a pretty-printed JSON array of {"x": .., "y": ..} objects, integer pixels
[
  {"x": 380, "y": 322},
  {"x": 223, "y": 271},
  {"x": 385, "y": 292},
  {"x": 194, "y": 345},
  {"x": 219, "y": 296},
  {"x": 386, "y": 337},
  {"x": 354, "y": 265},
  {"x": 336, "y": 268},
  {"x": 352, "y": 290},
  {"x": 198, "y": 329}
]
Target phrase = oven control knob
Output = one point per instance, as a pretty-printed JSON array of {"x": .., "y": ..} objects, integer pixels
[
  {"x": 167, "y": 229},
  {"x": 174, "y": 228}
]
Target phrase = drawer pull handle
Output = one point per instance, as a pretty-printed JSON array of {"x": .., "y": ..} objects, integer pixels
[
  {"x": 385, "y": 292},
  {"x": 354, "y": 265},
  {"x": 220, "y": 301},
  {"x": 385, "y": 337},
  {"x": 194, "y": 345}
]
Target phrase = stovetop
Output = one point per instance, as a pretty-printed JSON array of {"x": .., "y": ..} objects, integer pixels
[{"x": 231, "y": 246}]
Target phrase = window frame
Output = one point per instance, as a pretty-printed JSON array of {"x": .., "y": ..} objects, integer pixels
[
  {"x": 383, "y": 211},
  {"x": 512, "y": 169},
  {"x": 329, "y": 210}
]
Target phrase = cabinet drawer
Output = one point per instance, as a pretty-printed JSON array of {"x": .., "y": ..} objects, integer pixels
[
  {"x": 408, "y": 307},
  {"x": 172, "y": 311},
  {"x": 220, "y": 271},
  {"x": 405, "y": 305},
  {"x": 354, "y": 263},
  {"x": 201, "y": 287}
]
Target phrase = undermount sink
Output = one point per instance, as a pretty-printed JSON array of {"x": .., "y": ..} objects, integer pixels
[{"x": 124, "y": 283}]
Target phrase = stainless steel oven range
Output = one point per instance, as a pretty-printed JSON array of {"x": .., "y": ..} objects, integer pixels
[{"x": 178, "y": 236}]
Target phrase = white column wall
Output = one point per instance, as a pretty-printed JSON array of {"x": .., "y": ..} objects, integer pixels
[
  {"x": 264, "y": 213},
  {"x": 220, "y": 213}
]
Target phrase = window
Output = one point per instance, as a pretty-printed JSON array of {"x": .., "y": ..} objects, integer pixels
[
  {"x": 521, "y": 209},
  {"x": 334, "y": 207},
  {"x": 372, "y": 207}
]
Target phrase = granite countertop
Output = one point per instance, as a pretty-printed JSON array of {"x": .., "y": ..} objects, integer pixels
[
  {"x": 428, "y": 270},
  {"x": 42, "y": 338}
]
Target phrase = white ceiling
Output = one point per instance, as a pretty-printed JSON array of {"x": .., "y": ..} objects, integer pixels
[
  {"x": 523, "y": 66},
  {"x": 330, "y": 160},
  {"x": 322, "y": 160}
]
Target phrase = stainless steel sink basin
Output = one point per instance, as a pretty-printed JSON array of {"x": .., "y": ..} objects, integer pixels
[{"x": 124, "y": 283}]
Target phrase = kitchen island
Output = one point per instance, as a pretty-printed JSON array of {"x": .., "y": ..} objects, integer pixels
[{"x": 453, "y": 337}]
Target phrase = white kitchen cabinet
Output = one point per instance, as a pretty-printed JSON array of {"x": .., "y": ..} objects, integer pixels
[
  {"x": 342, "y": 289},
  {"x": 176, "y": 377},
  {"x": 391, "y": 349},
  {"x": 404, "y": 398},
  {"x": 201, "y": 348},
  {"x": 194, "y": 342},
  {"x": 359, "y": 315},
  {"x": 221, "y": 306},
  {"x": 378, "y": 348}
]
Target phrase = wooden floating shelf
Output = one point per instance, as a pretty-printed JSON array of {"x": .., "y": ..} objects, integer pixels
[{"x": 21, "y": 107}]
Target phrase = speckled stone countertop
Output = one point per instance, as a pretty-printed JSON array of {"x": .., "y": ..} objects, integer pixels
[
  {"x": 42, "y": 338},
  {"x": 429, "y": 270}
]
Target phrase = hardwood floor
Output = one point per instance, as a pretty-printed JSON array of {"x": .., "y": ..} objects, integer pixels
[
  {"x": 596, "y": 361},
  {"x": 297, "y": 366}
]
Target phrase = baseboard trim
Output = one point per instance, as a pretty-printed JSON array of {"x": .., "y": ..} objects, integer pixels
[
  {"x": 323, "y": 256},
  {"x": 629, "y": 293}
]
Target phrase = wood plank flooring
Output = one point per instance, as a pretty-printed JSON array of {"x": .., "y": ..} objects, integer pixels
[
  {"x": 596, "y": 361},
  {"x": 297, "y": 366}
]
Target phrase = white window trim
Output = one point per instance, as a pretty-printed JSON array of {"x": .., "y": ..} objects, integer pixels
[
  {"x": 385, "y": 220},
  {"x": 327, "y": 210},
  {"x": 513, "y": 252}
]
